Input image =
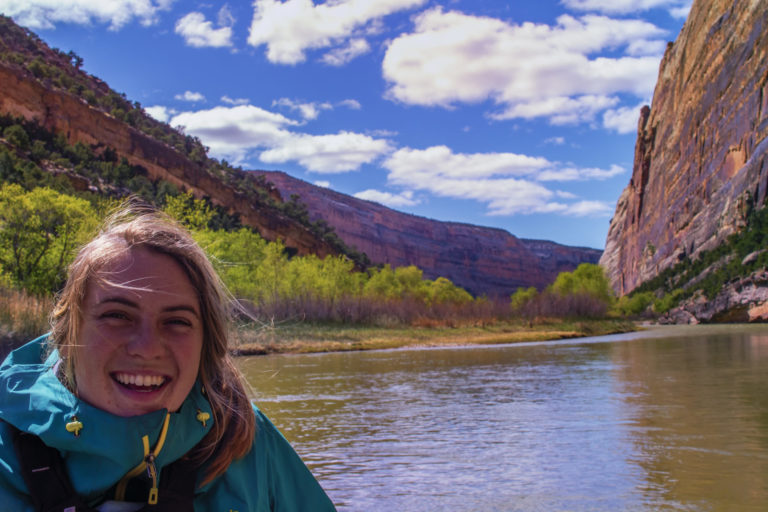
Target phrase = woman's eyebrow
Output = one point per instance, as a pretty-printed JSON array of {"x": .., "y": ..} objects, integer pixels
[
  {"x": 181, "y": 307},
  {"x": 119, "y": 300}
]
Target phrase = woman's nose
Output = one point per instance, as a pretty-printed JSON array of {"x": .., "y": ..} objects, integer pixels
[{"x": 146, "y": 342}]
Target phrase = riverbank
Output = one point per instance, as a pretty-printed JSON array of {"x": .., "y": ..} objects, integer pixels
[{"x": 301, "y": 338}]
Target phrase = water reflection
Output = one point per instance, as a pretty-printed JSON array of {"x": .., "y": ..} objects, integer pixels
[{"x": 674, "y": 422}]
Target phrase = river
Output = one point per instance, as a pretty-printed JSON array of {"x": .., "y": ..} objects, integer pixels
[{"x": 671, "y": 419}]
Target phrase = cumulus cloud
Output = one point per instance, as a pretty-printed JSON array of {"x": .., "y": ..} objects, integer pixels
[
  {"x": 528, "y": 70},
  {"x": 44, "y": 14},
  {"x": 190, "y": 96},
  {"x": 332, "y": 153},
  {"x": 235, "y": 132},
  {"x": 342, "y": 55},
  {"x": 323, "y": 183},
  {"x": 162, "y": 114},
  {"x": 308, "y": 111},
  {"x": 353, "y": 104},
  {"x": 623, "y": 119},
  {"x": 387, "y": 198},
  {"x": 508, "y": 183},
  {"x": 290, "y": 28},
  {"x": 241, "y": 132},
  {"x": 199, "y": 32}
]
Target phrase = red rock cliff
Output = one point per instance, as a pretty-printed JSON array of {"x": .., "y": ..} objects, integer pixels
[
  {"x": 480, "y": 259},
  {"x": 60, "y": 112},
  {"x": 701, "y": 154}
]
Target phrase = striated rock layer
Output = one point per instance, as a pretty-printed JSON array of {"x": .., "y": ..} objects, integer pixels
[
  {"x": 480, "y": 259},
  {"x": 701, "y": 157},
  {"x": 60, "y": 112}
]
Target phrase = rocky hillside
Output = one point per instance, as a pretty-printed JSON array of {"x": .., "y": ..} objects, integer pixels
[
  {"x": 480, "y": 259},
  {"x": 45, "y": 85},
  {"x": 701, "y": 158}
]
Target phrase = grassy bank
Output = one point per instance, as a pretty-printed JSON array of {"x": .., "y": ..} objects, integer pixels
[{"x": 308, "y": 338}]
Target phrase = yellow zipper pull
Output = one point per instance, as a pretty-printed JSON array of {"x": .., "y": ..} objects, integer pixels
[{"x": 152, "y": 473}]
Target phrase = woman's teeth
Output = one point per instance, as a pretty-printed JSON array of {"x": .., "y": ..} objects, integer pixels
[{"x": 139, "y": 380}]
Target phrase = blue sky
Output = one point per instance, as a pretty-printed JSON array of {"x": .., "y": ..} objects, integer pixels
[{"x": 514, "y": 114}]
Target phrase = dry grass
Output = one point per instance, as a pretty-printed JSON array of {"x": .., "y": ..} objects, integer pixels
[
  {"x": 23, "y": 315},
  {"x": 304, "y": 338}
]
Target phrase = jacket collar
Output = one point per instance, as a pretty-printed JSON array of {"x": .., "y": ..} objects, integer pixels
[{"x": 98, "y": 448}]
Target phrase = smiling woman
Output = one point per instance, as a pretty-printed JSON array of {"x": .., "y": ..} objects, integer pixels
[{"x": 132, "y": 401}]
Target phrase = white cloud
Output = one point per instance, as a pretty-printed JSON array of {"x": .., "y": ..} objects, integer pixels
[
  {"x": 508, "y": 183},
  {"x": 557, "y": 141},
  {"x": 225, "y": 18},
  {"x": 44, "y": 14},
  {"x": 333, "y": 153},
  {"x": 234, "y": 101},
  {"x": 162, "y": 114},
  {"x": 235, "y": 132},
  {"x": 198, "y": 32},
  {"x": 623, "y": 119},
  {"x": 290, "y": 28},
  {"x": 623, "y": 6},
  {"x": 388, "y": 199},
  {"x": 680, "y": 12},
  {"x": 353, "y": 104},
  {"x": 528, "y": 70},
  {"x": 323, "y": 183},
  {"x": 240, "y": 132},
  {"x": 309, "y": 111},
  {"x": 342, "y": 55},
  {"x": 589, "y": 208},
  {"x": 190, "y": 96},
  {"x": 576, "y": 174}
]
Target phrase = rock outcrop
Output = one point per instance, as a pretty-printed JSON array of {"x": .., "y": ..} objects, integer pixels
[
  {"x": 701, "y": 158},
  {"x": 743, "y": 300},
  {"x": 480, "y": 259}
]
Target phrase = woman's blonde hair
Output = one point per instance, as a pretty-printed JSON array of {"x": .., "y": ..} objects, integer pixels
[{"x": 138, "y": 225}]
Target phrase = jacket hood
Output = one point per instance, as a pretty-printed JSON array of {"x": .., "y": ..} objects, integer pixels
[{"x": 98, "y": 448}]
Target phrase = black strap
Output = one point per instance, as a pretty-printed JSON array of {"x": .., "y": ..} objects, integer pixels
[
  {"x": 45, "y": 475},
  {"x": 42, "y": 469}
]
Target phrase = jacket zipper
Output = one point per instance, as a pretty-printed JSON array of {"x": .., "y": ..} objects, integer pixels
[{"x": 147, "y": 464}]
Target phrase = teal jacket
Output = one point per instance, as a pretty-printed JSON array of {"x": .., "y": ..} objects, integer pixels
[{"x": 99, "y": 449}]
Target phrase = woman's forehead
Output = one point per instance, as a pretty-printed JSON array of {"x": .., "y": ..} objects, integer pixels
[{"x": 142, "y": 274}]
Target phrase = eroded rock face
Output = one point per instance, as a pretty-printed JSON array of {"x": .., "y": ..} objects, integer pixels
[
  {"x": 742, "y": 300},
  {"x": 701, "y": 156},
  {"x": 480, "y": 259},
  {"x": 60, "y": 112}
]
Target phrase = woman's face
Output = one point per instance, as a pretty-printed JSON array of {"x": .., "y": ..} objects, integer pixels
[{"x": 141, "y": 336}]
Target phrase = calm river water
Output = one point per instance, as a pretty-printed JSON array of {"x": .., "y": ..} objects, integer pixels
[{"x": 670, "y": 419}]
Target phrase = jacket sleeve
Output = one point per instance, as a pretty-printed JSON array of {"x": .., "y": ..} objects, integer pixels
[
  {"x": 13, "y": 493},
  {"x": 292, "y": 487}
]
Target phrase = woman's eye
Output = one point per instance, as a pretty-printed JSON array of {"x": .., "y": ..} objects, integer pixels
[
  {"x": 179, "y": 322},
  {"x": 114, "y": 315}
]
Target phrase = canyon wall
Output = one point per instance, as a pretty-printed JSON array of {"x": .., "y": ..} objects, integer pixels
[
  {"x": 480, "y": 259},
  {"x": 701, "y": 157}
]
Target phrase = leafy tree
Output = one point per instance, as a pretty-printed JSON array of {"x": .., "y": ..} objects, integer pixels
[
  {"x": 522, "y": 297},
  {"x": 39, "y": 231},
  {"x": 236, "y": 256},
  {"x": 589, "y": 279},
  {"x": 17, "y": 135},
  {"x": 194, "y": 213}
]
